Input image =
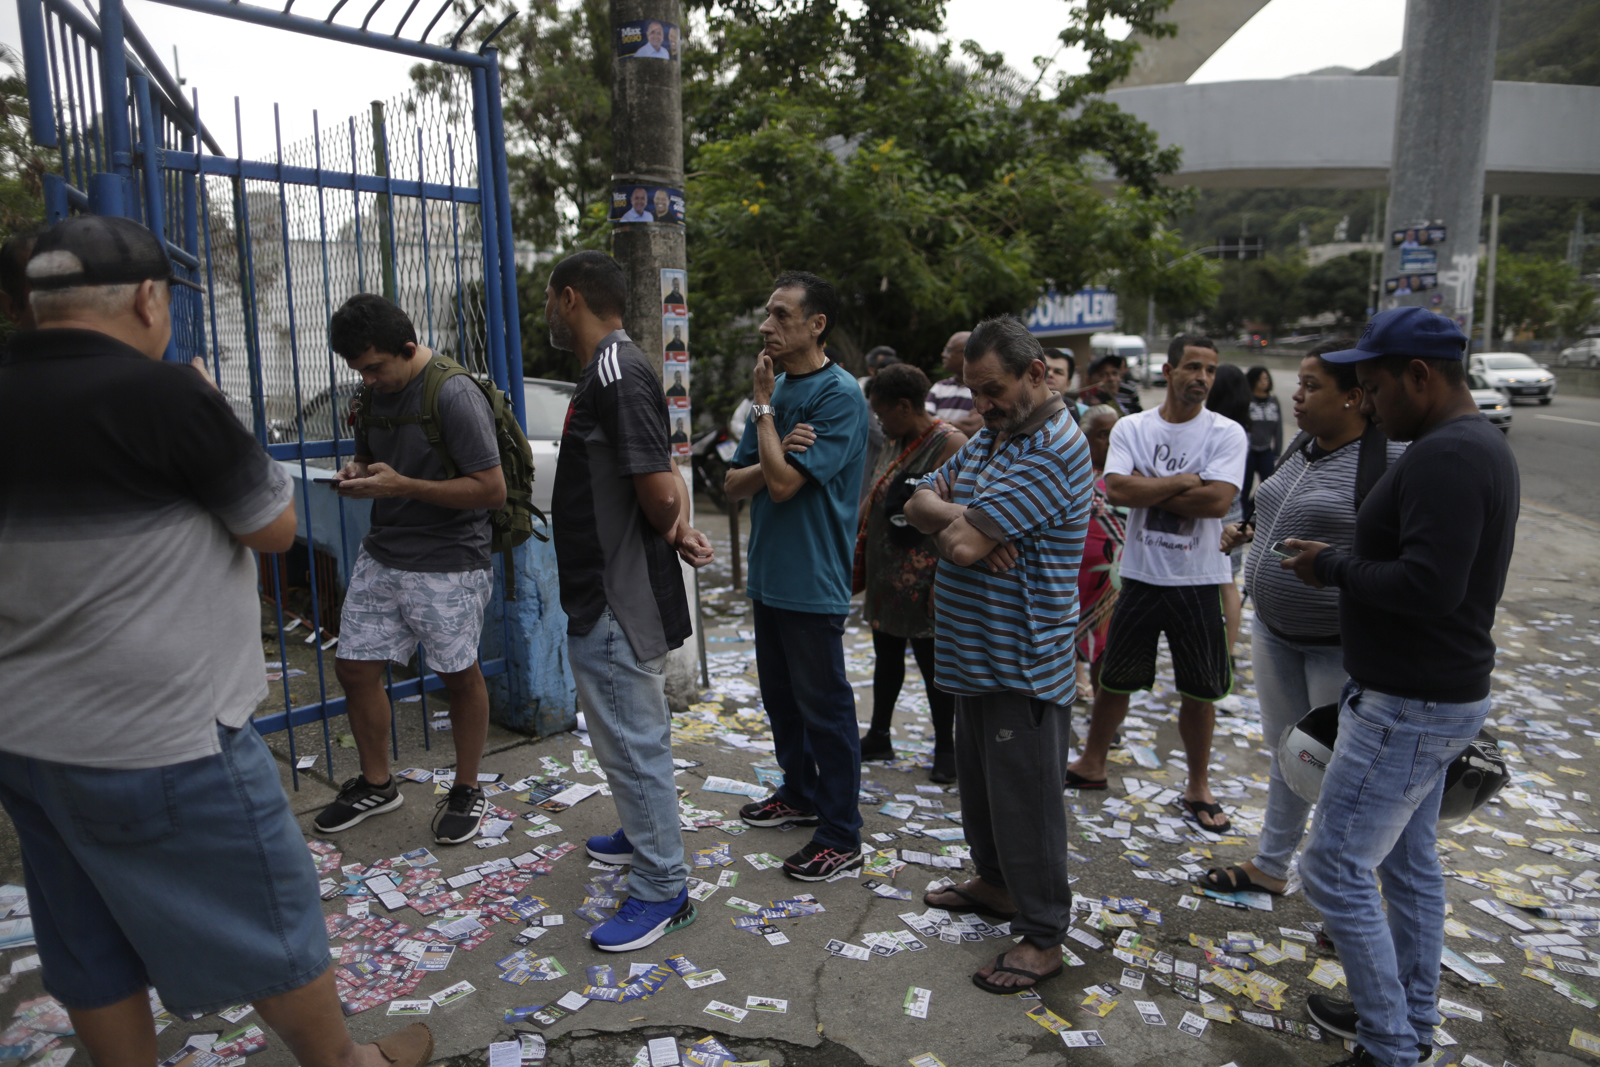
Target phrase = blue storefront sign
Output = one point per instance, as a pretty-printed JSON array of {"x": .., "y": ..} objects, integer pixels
[{"x": 1085, "y": 311}]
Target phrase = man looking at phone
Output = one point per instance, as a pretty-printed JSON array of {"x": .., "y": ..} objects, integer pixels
[
  {"x": 1417, "y": 594},
  {"x": 423, "y": 575},
  {"x": 1177, "y": 468}
]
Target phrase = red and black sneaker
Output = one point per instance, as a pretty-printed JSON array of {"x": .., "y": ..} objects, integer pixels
[
  {"x": 817, "y": 862},
  {"x": 774, "y": 812}
]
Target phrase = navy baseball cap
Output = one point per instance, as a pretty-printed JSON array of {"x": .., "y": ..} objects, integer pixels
[{"x": 1407, "y": 331}]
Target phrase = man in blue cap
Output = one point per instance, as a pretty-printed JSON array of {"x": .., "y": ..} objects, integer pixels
[{"x": 1417, "y": 593}]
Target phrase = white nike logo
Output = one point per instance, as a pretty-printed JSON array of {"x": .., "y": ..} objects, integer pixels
[{"x": 1003, "y": 735}]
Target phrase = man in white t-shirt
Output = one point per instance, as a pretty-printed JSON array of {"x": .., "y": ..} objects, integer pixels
[{"x": 1177, "y": 469}]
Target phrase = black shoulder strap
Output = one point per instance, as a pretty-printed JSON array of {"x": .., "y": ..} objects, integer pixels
[
  {"x": 1296, "y": 445},
  {"x": 1372, "y": 462}
]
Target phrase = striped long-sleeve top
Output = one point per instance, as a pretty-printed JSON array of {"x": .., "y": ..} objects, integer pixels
[{"x": 1014, "y": 630}]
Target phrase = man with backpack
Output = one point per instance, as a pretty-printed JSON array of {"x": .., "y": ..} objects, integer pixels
[{"x": 428, "y": 457}]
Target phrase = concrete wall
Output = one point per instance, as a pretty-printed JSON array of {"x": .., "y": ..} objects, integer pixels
[{"x": 1338, "y": 133}]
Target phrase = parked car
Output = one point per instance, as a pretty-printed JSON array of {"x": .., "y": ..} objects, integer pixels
[
  {"x": 1517, "y": 376},
  {"x": 547, "y": 417},
  {"x": 1582, "y": 354},
  {"x": 1491, "y": 402}
]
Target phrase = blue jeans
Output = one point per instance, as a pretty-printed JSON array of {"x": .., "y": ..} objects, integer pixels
[
  {"x": 192, "y": 877},
  {"x": 1379, "y": 811},
  {"x": 1291, "y": 679},
  {"x": 800, "y": 656},
  {"x": 625, "y": 707}
]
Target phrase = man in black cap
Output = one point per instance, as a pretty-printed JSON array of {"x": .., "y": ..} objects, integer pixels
[
  {"x": 1417, "y": 593},
  {"x": 158, "y": 844}
]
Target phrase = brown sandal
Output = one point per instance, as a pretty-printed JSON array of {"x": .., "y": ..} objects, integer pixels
[{"x": 411, "y": 1047}]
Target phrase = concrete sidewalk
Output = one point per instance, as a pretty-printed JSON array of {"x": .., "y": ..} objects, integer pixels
[{"x": 845, "y": 1012}]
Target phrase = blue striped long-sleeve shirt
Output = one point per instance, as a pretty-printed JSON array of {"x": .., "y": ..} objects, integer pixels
[{"x": 1013, "y": 631}]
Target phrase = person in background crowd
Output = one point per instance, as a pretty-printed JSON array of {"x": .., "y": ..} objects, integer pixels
[
  {"x": 895, "y": 562},
  {"x": 950, "y": 399},
  {"x": 156, "y": 839},
  {"x": 621, "y": 525},
  {"x": 1101, "y": 381},
  {"x": 1102, "y": 547},
  {"x": 1127, "y": 392},
  {"x": 801, "y": 521},
  {"x": 1177, "y": 469},
  {"x": 1294, "y": 640},
  {"x": 1062, "y": 370},
  {"x": 876, "y": 360},
  {"x": 1230, "y": 397},
  {"x": 1417, "y": 596},
  {"x": 1266, "y": 435},
  {"x": 1008, "y": 512},
  {"x": 14, "y": 277},
  {"x": 423, "y": 576}
]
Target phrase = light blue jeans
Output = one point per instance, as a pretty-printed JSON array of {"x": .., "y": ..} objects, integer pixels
[
  {"x": 1291, "y": 679},
  {"x": 1379, "y": 811},
  {"x": 625, "y": 707}
]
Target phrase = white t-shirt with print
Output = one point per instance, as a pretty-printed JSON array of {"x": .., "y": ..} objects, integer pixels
[{"x": 1164, "y": 548}]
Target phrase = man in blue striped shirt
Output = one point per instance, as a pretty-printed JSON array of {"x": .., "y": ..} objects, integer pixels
[{"x": 1010, "y": 511}]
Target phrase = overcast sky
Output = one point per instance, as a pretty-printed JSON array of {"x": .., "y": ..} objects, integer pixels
[{"x": 224, "y": 58}]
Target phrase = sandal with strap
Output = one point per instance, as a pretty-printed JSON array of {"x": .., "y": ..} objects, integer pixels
[
  {"x": 1239, "y": 881},
  {"x": 1006, "y": 990},
  {"x": 1196, "y": 807},
  {"x": 973, "y": 904}
]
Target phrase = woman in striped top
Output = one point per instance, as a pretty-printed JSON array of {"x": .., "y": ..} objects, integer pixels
[{"x": 1295, "y": 649}]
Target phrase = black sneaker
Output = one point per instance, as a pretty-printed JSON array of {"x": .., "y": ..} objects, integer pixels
[
  {"x": 876, "y": 746},
  {"x": 774, "y": 812},
  {"x": 358, "y": 799},
  {"x": 817, "y": 862},
  {"x": 1362, "y": 1058},
  {"x": 1335, "y": 1016},
  {"x": 460, "y": 815},
  {"x": 944, "y": 768}
]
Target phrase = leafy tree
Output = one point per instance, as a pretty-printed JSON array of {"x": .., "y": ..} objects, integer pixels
[
  {"x": 1339, "y": 285},
  {"x": 1257, "y": 293},
  {"x": 1537, "y": 294},
  {"x": 21, "y": 164}
]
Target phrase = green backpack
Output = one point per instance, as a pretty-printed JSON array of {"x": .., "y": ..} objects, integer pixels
[{"x": 512, "y": 524}]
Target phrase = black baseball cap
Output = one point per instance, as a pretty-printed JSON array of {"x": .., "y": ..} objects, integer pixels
[
  {"x": 1103, "y": 358},
  {"x": 98, "y": 250}
]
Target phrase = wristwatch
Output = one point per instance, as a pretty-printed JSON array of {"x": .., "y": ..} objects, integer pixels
[{"x": 758, "y": 410}]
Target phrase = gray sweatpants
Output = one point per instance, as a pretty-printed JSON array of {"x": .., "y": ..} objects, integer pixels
[{"x": 1011, "y": 756}]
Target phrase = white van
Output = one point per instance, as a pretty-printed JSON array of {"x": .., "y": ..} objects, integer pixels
[{"x": 1135, "y": 356}]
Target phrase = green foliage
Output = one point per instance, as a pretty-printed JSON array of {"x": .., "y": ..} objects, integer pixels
[
  {"x": 1340, "y": 285},
  {"x": 1261, "y": 293},
  {"x": 21, "y": 164},
  {"x": 1538, "y": 295},
  {"x": 1550, "y": 41},
  {"x": 932, "y": 190}
]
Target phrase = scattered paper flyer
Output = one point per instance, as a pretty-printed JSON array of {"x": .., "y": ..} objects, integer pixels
[
  {"x": 1149, "y": 1013},
  {"x": 1193, "y": 1025},
  {"x": 450, "y": 994},
  {"x": 703, "y": 978},
  {"x": 1082, "y": 1039},
  {"x": 505, "y": 1054},
  {"x": 725, "y": 1011},
  {"x": 916, "y": 1002},
  {"x": 410, "y": 1007},
  {"x": 780, "y": 1007}
]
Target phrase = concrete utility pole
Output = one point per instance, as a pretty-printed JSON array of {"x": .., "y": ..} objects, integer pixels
[
  {"x": 1440, "y": 136},
  {"x": 647, "y": 211},
  {"x": 1490, "y": 341}
]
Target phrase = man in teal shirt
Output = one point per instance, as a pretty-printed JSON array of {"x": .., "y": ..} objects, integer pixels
[{"x": 800, "y": 460}]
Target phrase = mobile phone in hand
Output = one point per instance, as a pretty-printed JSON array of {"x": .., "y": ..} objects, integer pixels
[
  {"x": 326, "y": 479},
  {"x": 1283, "y": 551}
]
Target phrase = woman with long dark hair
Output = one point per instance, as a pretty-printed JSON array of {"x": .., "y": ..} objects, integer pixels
[{"x": 1230, "y": 398}]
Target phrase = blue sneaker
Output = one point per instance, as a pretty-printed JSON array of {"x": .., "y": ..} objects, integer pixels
[
  {"x": 611, "y": 848},
  {"x": 642, "y": 922}
]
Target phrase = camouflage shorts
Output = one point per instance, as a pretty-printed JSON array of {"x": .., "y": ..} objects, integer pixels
[{"x": 387, "y": 612}]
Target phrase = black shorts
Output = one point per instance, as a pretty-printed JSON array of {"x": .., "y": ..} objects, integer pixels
[{"x": 1191, "y": 617}]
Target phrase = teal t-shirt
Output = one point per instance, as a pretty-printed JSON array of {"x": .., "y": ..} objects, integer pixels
[{"x": 802, "y": 550}]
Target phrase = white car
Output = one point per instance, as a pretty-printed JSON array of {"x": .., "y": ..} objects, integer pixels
[
  {"x": 1491, "y": 402},
  {"x": 1582, "y": 354},
  {"x": 1517, "y": 376},
  {"x": 547, "y": 417}
]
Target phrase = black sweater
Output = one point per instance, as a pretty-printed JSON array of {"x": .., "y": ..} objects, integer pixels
[{"x": 1433, "y": 540}]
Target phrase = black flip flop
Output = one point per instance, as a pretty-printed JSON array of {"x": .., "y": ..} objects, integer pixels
[
  {"x": 1006, "y": 990},
  {"x": 973, "y": 904},
  {"x": 1078, "y": 781},
  {"x": 1195, "y": 807},
  {"x": 1242, "y": 882}
]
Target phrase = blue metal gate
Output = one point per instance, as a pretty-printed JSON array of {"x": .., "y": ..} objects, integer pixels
[{"x": 410, "y": 200}]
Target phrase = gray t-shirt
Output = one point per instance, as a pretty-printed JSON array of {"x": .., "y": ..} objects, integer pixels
[
  {"x": 410, "y": 535},
  {"x": 130, "y": 621}
]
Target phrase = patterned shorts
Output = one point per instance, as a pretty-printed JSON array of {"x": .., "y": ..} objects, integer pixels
[{"x": 387, "y": 612}]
